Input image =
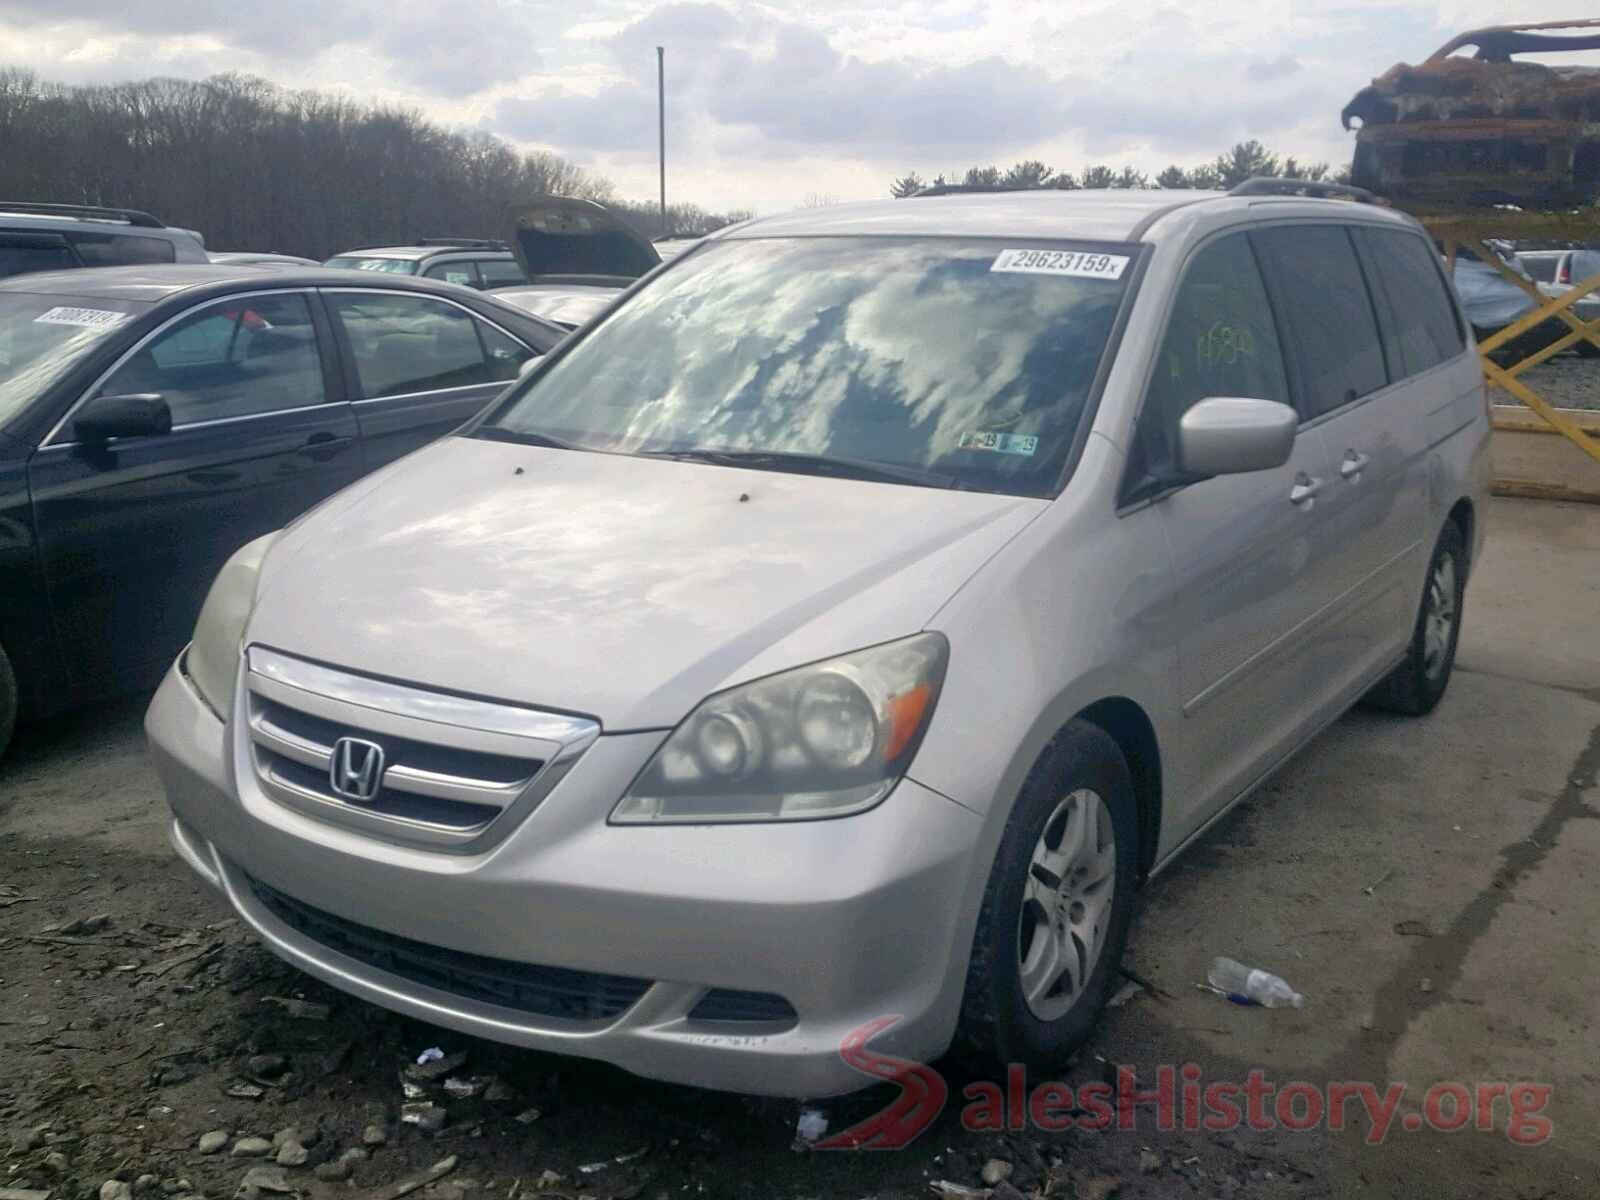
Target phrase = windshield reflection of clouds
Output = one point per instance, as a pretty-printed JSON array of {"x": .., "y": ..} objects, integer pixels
[
  {"x": 883, "y": 349},
  {"x": 34, "y": 354}
]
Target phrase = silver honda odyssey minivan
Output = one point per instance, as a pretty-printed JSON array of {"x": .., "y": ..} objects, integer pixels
[{"x": 841, "y": 628}]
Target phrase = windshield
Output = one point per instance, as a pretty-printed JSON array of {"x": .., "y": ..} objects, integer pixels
[
  {"x": 43, "y": 337},
  {"x": 1541, "y": 266},
  {"x": 388, "y": 266},
  {"x": 949, "y": 362}
]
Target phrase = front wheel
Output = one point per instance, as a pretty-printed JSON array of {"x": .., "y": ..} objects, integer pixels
[
  {"x": 1416, "y": 685},
  {"x": 8, "y": 701},
  {"x": 1056, "y": 909}
]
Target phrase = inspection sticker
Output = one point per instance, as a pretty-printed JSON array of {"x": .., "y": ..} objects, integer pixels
[
  {"x": 88, "y": 318},
  {"x": 1082, "y": 263},
  {"x": 999, "y": 443}
]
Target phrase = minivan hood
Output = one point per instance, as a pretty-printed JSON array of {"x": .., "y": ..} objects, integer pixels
[
  {"x": 562, "y": 235},
  {"x": 624, "y": 588}
]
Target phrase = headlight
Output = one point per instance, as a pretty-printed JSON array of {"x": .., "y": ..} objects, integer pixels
[
  {"x": 819, "y": 741},
  {"x": 213, "y": 660}
]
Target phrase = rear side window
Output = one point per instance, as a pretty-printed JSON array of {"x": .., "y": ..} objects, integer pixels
[
  {"x": 498, "y": 271},
  {"x": 1331, "y": 335},
  {"x": 24, "y": 252},
  {"x": 121, "y": 249},
  {"x": 1419, "y": 323},
  {"x": 1541, "y": 267},
  {"x": 461, "y": 272},
  {"x": 407, "y": 344},
  {"x": 1220, "y": 341}
]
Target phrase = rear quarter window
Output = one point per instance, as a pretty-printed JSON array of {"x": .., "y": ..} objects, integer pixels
[
  {"x": 121, "y": 249},
  {"x": 1418, "y": 320}
]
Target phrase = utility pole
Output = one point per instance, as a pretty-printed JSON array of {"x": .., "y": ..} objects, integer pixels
[{"x": 661, "y": 123}]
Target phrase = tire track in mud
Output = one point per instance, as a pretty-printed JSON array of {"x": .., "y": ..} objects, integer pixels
[{"x": 1442, "y": 957}]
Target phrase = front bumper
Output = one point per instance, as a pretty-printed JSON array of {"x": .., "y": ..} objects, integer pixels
[{"x": 849, "y": 920}]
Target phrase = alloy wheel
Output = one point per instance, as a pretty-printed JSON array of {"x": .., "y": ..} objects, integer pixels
[
  {"x": 1066, "y": 904},
  {"x": 1439, "y": 617}
]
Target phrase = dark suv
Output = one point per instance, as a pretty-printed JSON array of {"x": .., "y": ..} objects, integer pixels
[{"x": 55, "y": 237}]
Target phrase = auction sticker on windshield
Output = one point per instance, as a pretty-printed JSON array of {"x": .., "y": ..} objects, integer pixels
[
  {"x": 88, "y": 318},
  {"x": 1081, "y": 263}
]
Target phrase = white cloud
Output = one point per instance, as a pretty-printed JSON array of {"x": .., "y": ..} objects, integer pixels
[{"x": 768, "y": 103}]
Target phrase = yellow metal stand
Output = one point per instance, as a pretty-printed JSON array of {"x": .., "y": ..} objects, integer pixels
[{"x": 1473, "y": 232}]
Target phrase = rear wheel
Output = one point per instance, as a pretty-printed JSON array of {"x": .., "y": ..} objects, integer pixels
[
  {"x": 1056, "y": 908},
  {"x": 1416, "y": 685}
]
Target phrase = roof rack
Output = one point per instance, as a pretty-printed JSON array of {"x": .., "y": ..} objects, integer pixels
[
  {"x": 956, "y": 189},
  {"x": 84, "y": 212},
  {"x": 1272, "y": 185},
  {"x": 465, "y": 243}
]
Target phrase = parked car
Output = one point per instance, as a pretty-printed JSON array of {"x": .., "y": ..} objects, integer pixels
[
  {"x": 578, "y": 257},
  {"x": 1557, "y": 272},
  {"x": 568, "y": 305},
  {"x": 154, "y": 419},
  {"x": 671, "y": 245},
  {"x": 56, "y": 237},
  {"x": 253, "y": 258},
  {"x": 468, "y": 262},
  {"x": 1492, "y": 302},
  {"x": 841, "y": 627}
]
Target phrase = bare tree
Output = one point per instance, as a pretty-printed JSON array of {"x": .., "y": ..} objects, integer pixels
[{"x": 257, "y": 167}]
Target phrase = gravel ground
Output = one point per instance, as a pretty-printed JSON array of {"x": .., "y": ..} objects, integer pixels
[
  {"x": 138, "y": 1016},
  {"x": 1567, "y": 381},
  {"x": 1428, "y": 884}
]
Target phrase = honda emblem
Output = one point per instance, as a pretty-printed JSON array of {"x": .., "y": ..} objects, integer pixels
[{"x": 356, "y": 771}]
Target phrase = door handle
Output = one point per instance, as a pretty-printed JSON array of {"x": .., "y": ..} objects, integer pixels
[
  {"x": 1354, "y": 463},
  {"x": 324, "y": 445},
  {"x": 1304, "y": 490}
]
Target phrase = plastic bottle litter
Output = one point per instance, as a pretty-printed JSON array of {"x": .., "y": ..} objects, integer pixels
[
  {"x": 813, "y": 1123},
  {"x": 1251, "y": 985}
]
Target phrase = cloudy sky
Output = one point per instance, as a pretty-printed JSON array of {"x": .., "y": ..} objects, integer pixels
[{"x": 769, "y": 104}]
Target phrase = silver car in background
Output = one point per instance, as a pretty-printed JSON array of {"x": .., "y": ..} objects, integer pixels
[{"x": 841, "y": 627}]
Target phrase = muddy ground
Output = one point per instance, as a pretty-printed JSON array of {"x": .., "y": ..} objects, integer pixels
[
  {"x": 1430, "y": 885},
  {"x": 1567, "y": 381}
]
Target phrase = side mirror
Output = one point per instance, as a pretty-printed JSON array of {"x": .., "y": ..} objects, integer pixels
[
  {"x": 1232, "y": 435},
  {"x": 107, "y": 417},
  {"x": 528, "y": 365}
]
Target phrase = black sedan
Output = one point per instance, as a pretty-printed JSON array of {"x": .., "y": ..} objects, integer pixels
[{"x": 154, "y": 419}]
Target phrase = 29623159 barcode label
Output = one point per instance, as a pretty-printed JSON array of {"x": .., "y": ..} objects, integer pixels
[{"x": 1084, "y": 264}]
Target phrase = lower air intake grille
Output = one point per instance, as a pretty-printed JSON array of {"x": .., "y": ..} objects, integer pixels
[
  {"x": 725, "y": 1004},
  {"x": 525, "y": 987}
]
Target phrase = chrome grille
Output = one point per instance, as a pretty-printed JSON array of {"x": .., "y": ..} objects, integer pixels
[{"x": 452, "y": 767}]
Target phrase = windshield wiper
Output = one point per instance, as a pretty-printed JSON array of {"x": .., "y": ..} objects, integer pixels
[
  {"x": 810, "y": 464},
  {"x": 499, "y": 433}
]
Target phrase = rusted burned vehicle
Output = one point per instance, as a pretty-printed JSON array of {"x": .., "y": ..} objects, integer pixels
[{"x": 1466, "y": 131}]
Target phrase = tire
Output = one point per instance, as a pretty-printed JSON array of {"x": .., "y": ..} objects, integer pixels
[
  {"x": 8, "y": 701},
  {"x": 1000, "y": 1024},
  {"x": 1415, "y": 686}
]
